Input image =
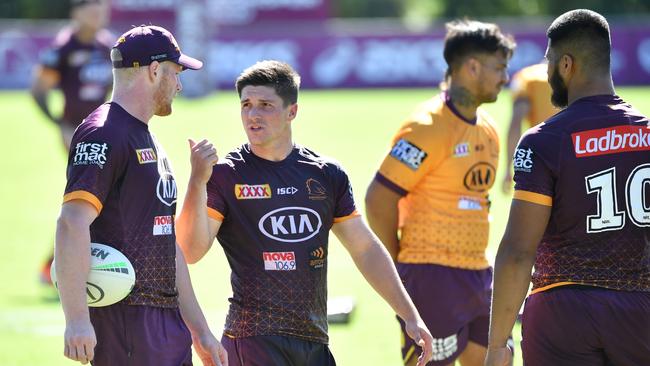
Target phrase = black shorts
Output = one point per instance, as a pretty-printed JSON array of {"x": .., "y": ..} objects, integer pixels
[{"x": 276, "y": 350}]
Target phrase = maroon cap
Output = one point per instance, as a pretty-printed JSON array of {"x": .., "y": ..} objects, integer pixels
[{"x": 147, "y": 43}]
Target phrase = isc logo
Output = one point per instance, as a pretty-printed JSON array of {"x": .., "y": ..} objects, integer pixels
[{"x": 290, "y": 224}]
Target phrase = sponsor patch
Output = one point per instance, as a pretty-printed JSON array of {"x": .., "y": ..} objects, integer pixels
[
  {"x": 146, "y": 156},
  {"x": 443, "y": 348},
  {"x": 279, "y": 261},
  {"x": 408, "y": 153},
  {"x": 611, "y": 140},
  {"x": 462, "y": 150},
  {"x": 480, "y": 177},
  {"x": 252, "y": 192},
  {"x": 91, "y": 153},
  {"x": 290, "y": 224},
  {"x": 287, "y": 191},
  {"x": 522, "y": 160},
  {"x": 315, "y": 190},
  {"x": 317, "y": 258},
  {"x": 166, "y": 189},
  {"x": 469, "y": 203},
  {"x": 163, "y": 225}
]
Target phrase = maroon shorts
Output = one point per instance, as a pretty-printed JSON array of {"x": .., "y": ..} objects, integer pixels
[
  {"x": 454, "y": 304},
  {"x": 582, "y": 325},
  {"x": 140, "y": 336},
  {"x": 276, "y": 350}
]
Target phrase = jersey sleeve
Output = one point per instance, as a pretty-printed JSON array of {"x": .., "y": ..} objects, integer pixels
[
  {"x": 217, "y": 208},
  {"x": 95, "y": 164},
  {"x": 535, "y": 164},
  {"x": 50, "y": 58},
  {"x": 417, "y": 148},
  {"x": 345, "y": 207}
]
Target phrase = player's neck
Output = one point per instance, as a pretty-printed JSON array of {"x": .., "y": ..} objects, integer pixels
[
  {"x": 601, "y": 86},
  {"x": 135, "y": 105},
  {"x": 463, "y": 101},
  {"x": 85, "y": 35},
  {"x": 273, "y": 152}
]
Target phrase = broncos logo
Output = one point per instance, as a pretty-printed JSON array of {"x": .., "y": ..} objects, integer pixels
[{"x": 315, "y": 190}]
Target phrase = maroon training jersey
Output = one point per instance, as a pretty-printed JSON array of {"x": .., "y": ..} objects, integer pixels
[
  {"x": 84, "y": 72},
  {"x": 591, "y": 163},
  {"x": 116, "y": 164},
  {"x": 276, "y": 218}
]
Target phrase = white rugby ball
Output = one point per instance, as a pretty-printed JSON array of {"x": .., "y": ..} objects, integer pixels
[{"x": 111, "y": 276}]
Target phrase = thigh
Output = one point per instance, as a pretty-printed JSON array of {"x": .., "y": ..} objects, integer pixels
[
  {"x": 624, "y": 326},
  {"x": 141, "y": 335},
  {"x": 557, "y": 329},
  {"x": 448, "y": 300}
]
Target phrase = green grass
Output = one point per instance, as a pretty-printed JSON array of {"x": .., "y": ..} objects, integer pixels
[{"x": 353, "y": 126}]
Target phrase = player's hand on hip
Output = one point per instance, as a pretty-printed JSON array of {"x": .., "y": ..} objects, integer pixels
[
  {"x": 419, "y": 332},
  {"x": 203, "y": 157},
  {"x": 80, "y": 341},
  {"x": 210, "y": 350},
  {"x": 499, "y": 356}
]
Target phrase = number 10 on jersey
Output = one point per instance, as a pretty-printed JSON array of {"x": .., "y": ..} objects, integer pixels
[{"x": 609, "y": 216}]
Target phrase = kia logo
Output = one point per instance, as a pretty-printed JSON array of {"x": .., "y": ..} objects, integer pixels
[
  {"x": 290, "y": 224},
  {"x": 480, "y": 177},
  {"x": 166, "y": 189}
]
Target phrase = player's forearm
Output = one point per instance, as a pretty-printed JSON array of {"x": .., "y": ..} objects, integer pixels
[
  {"x": 512, "y": 274},
  {"x": 187, "y": 302},
  {"x": 72, "y": 253},
  {"x": 377, "y": 268},
  {"x": 40, "y": 98},
  {"x": 192, "y": 229}
]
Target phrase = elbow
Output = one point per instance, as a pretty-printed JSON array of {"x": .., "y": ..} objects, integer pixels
[{"x": 191, "y": 256}]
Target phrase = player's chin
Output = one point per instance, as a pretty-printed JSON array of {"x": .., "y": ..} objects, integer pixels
[{"x": 165, "y": 110}]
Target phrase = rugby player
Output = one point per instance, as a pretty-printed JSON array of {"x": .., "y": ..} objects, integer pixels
[
  {"x": 433, "y": 187},
  {"x": 579, "y": 215}
]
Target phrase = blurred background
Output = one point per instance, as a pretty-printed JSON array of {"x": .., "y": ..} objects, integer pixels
[{"x": 365, "y": 64}]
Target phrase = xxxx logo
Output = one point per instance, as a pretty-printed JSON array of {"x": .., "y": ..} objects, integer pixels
[{"x": 252, "y": 192}]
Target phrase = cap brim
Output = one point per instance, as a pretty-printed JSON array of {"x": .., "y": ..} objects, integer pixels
[{"x": 189, "y": 63}]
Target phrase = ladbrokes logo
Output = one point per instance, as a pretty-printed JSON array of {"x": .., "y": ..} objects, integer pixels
[
  {"x": 252, "y": 192},
  {"x": 91, "y": 153},
  {"x": 611, "y": 140},
  {"x": 317, "y": 258},
  {"x": 279, "y": 261},
  {"x": 408, "y": 153},
  {"x": 480, "y": 177},
  {"x": 290, "y": 224},
  {"x": 146, "y": 156}
]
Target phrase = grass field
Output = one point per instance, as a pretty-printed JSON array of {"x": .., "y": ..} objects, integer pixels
[{"x": 353, "y": 126}]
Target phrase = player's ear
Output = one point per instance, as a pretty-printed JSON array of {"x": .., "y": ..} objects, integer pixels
[
  {"x": 566, "y": 66},
  {"x": 473, "y": 66},
  {"x": 293, "y": 111},
  {"x": 153, "y": 70}
]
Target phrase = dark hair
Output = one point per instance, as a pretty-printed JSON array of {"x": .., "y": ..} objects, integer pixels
[
  {"x": 278, "y": 75},
  {"x": 468, "y": 37},
  {"x": 584, "y": 34}
]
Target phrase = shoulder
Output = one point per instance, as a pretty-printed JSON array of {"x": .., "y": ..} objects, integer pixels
[
  {"x": 105, "y": 38},
  {"x": 326, "y": 163},
  {"x": 103, "y": 123},
  {"x": 234, "y": 158},
  {"x": 63, "y": 38}
]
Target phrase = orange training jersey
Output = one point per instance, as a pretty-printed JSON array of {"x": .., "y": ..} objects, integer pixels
[
  {"x": 444, "y": 166},
  {"x": 531, "y": 83}
]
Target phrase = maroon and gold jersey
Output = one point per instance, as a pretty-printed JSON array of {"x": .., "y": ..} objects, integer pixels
[
  {"x": 83, "y": 70},
  {"x": 444, "y": 166},
  {"x": 276, "y": 218},
  {"x": 116, "y": 165},
  {"x": 591, "y": 163},
  {"x": 531, "y": 83}
]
